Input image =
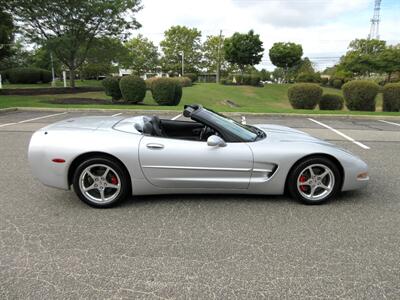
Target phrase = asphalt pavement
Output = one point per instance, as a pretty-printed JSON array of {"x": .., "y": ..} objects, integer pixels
[{"x": 53, "y": 246}]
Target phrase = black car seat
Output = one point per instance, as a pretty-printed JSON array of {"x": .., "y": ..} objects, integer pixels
[
  {"x": 157, "y": 126},
  {"x": 148, "y": 128}
]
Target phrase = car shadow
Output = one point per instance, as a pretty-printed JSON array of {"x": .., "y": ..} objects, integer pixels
[
  {"x": 179, "y": 198},
  {"x": 347, "y": 197}
]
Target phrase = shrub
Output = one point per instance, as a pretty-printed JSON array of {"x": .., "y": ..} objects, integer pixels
[
  {"x": 111, "y": 87},
  {"x": 255, "y": 80},
  {"x": 337, "y": 83},
  {"x": 360, "y": 95},
  {"x": 149, "y": 82},
  {"x": 28, "y": 75},
  {"x": 308, "y": 77},
  {"x": 304, "y": 95},
  {"x": 391, "y": 97},
  {"x": 245, "y": 79},
  {"x": 133, "y": 88},
  {"x": 226, "y": 81},
  {"x": 331, "y": 102},
  {"x": 166, "y": 91},
  {"x": 183, "y": 81},
  {"x": 193, "y": 76},
  {"x": 324, "y": 80},
  {"x": 45, "y": 76}
]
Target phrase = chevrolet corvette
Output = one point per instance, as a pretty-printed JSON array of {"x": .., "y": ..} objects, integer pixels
[{"x": 107, "y": 159}]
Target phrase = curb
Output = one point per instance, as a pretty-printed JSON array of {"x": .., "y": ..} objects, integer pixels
[
  {"x": 6, "y": 110},
  {"x": 155, "y": 111}
]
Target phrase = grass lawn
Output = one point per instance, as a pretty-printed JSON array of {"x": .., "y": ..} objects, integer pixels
[{"x": 270, "y": 99}]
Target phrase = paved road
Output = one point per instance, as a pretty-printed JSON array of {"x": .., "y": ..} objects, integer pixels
[{"x": 53, "y": 246}]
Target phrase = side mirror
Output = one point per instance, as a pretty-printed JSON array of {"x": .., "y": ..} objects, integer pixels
[{"x": 215, "y": 140}]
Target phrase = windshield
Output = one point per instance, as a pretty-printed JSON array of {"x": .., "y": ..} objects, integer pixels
[{"x": 247, "y": 133}]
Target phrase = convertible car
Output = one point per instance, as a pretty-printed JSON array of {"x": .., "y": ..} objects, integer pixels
[{"x": 107, "y": 159}]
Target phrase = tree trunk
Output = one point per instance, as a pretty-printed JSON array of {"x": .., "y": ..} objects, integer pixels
[{"x": 72, "y": 77}]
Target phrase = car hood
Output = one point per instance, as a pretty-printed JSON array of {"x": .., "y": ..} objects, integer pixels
[{"x": 287, "y": 134}]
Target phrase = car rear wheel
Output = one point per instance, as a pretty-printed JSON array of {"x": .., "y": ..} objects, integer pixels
[
  {"x": 314, "y": 180},
  {"x": 101, "y": 182}
]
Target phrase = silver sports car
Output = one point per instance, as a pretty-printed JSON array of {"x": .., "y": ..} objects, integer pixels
[{"x": 106, "y": 159}]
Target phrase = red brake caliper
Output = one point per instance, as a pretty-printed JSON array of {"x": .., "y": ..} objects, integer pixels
[
  {"x": 303, "y": 179},
  {"x": 114, "y": 180}
]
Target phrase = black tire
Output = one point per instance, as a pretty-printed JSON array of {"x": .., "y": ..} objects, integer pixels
[
  {"x": 116, "y": 170},
  {"x": 300, "y": 167}
]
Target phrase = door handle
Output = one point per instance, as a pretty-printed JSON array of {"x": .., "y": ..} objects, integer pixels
[{"x": 155, "y": 146}]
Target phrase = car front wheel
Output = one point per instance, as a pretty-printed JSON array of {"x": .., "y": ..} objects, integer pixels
[
  {"x": 100, "y": 182},
  {"x": 314, "y": 180}
]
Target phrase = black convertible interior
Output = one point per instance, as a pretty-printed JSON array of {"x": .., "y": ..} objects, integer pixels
[{"x": 186, "y": 130}]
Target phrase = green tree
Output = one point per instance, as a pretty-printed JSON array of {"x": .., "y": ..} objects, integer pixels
[
  {"x": 244, "y": 49},
  {"x": 69, "y": 27},
  {"x": 20, "y": 56},
  {"x": 6, "y": 35},
  {"x": 389, "y": 60},
  {"x": 103, "y": 57},
  {"x": 41, "y": 58},
  {"x": 286, "y": 56},
  {"x": 142, "y": 55},
  {"x": 178, "y": 40},
  {"x": 214, "y": 54},
  {"x": 362, "y": 58},
  {"x": 278, "y": 75},
  {"x": 265, "y": 75},
  {"x": 304, "y": 66}
]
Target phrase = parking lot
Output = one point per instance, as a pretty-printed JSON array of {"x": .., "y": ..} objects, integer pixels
[{"x": 203, "y": 246}]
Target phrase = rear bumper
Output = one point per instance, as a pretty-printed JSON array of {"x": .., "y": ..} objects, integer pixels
[{"x": 40, "y": 160}]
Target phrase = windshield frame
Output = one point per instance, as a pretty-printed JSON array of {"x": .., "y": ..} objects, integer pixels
[{"x": 230, "y": 129}]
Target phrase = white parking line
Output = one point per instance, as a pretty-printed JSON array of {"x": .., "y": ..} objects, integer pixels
[
  {"x": 34, "y": 119},
  {"x": 4, "y": 125},
  {"x": 341, "y": 134},
  {"x": 176, "y": 117},
  {"x": 391, "y": 123},
  {"x": 116, "y": 115}
]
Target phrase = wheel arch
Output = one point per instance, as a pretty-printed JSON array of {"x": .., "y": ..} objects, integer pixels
[
  {"x": 96, "y": 154},
  {"x": 316, "y": 155}
]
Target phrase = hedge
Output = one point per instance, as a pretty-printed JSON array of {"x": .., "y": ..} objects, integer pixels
[
  {"x": 27, "y": 75},
  {"x": 193, "y": 76},
  {"x": 133, "y": 88},
  {"x": 360, "y": 95},
  {"x": 111, "y": 86},
  {"x": 245, "y": 79},
  {"x": 304, "y": 95},
  {"x": 149, "y": 82},
  {"x": 308, "y": 77},
  {"x": 166, "y": 91},
  {"x": 337, "y": 83},
  {"x": 391, "y": 97},
  {"x": 183, "y": 81},
  {"x": 331, "y": 102}
]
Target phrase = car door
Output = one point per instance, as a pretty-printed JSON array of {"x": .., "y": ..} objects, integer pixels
[{"x": 174, "y": 163}]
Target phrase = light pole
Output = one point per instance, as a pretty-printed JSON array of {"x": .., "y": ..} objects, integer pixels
[
  {"x": 53, "y": 82},
  {"x": 183, "y": 62}
]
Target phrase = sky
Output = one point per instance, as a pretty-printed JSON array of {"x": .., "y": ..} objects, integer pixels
[{"x": 323, "y": 27}]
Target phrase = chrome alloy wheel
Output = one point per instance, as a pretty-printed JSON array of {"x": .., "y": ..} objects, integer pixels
[
  {"x": 100, "y": 183},
  {"x": 316, "y": 182}
]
